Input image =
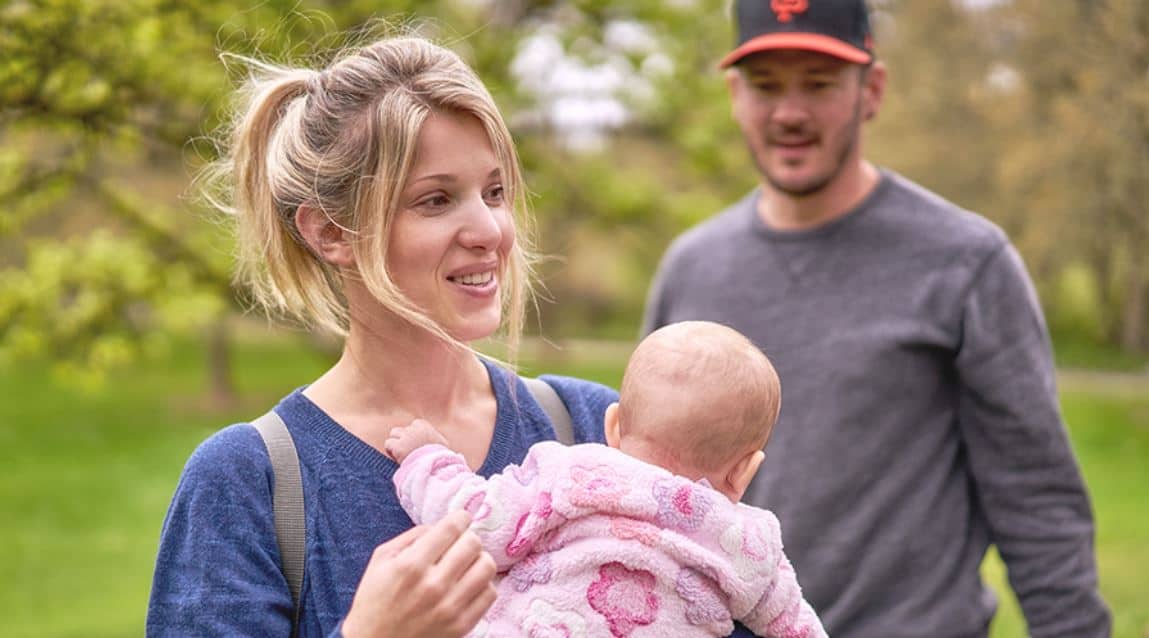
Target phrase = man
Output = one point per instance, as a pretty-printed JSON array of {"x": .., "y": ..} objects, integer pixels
[{"x": 919, "y": 421}]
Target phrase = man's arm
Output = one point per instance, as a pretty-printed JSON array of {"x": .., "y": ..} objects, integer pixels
[
  {"x": 1026, "y": 476},
  {"x": 654, "y": 314}
]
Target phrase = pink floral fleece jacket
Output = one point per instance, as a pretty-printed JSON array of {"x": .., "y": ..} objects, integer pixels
[{"x": 592, "y": 542}]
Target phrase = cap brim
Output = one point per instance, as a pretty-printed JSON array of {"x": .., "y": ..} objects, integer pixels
[{"x": 803, "y": 41}]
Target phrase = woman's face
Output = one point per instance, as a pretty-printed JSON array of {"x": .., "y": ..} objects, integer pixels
[{"x": 454, "y": 230}]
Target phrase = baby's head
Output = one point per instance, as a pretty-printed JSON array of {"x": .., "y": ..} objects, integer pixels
[{"x": 700, "y": 400}]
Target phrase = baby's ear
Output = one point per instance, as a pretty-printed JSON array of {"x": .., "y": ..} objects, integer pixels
[
  {"x": 743, "y": 471},
  {"x": 610, "y": 425}
]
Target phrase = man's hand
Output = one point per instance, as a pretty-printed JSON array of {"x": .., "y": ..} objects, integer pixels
[{"x": 405, "y": 439}]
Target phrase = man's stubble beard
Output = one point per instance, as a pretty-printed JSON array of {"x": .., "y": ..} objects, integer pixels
[{"x": 818, "y": 183}]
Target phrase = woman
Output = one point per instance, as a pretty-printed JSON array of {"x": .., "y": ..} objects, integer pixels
[{"x": 376, "y": 198}]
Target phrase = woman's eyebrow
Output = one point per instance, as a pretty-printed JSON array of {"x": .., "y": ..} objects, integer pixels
[{"x": 436, "y": 177}]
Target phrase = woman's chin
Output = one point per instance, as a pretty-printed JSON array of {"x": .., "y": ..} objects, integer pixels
[{"x": 474, "y": 327}]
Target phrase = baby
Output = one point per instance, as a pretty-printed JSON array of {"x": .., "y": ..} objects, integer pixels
[{"x": 645, "y": 537}]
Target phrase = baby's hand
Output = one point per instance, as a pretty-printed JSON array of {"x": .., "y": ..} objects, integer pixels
[{"x": 405, "y": 439}]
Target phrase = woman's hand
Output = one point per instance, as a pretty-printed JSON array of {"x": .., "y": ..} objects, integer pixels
[
  {"x": 405, "y": 439},
  {"x": 428, "y": 581}
]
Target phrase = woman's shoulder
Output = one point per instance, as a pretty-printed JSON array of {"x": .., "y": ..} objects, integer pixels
[
  {"x": 586, "y": 401},
  {"x": 232, "y": 456},
  {"x": 581, "y": 390},
  {"x": 580, "y": 394}
]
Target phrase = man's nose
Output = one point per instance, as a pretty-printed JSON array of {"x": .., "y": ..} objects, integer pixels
[{"x": 791, "y": 109}]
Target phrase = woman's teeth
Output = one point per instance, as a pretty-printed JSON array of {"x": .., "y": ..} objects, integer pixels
[{"x": 476, "y": 279}]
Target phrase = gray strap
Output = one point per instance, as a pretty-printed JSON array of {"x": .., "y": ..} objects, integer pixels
[
  {"x": 553, "y": 405},
  {"x": 287, "y": 502}
]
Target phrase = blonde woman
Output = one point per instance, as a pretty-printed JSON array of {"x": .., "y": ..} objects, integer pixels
[{"x": 376, "y": 198}]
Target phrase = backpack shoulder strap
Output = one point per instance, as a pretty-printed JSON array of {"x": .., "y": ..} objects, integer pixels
[
  {"x": 553, "y": 405},
  {"x": 287, "y": 502}
]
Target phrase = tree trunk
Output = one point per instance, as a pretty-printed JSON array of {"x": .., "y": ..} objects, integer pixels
[
  {"x": 221, "y": 390},
  {"x": 1101, "y": 265},
  {"x": 1135, "y": 316}
]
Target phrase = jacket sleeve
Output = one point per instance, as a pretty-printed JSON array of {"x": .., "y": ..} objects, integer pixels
[
  {"x": 218, "y": 572},
  {"x": 511, "y": 510},
  {"x": 781, "y": 611},
  {"x": 1026, "y": 476}
]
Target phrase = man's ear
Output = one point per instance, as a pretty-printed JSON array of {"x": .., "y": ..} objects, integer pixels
[
  {"x": 873, "y": 90},
  {"x": 610, "y": 425},
  {"x": 743, "y": 471},
  {"x": 734, "y": 84},
  {"x": 330, "y": 241}
]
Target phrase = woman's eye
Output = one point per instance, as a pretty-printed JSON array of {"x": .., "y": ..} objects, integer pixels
[
  {"x": 433, "y": 201},
  {"x": 495, "y": 195}
]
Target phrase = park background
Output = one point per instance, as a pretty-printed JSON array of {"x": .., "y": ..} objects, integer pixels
[{"x": 124, "y": 342}]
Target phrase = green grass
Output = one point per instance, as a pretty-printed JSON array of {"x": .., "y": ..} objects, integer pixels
[
  {"x": 1111, "y": 438},
  {"x": 1078, "y": 352},
  {"x": 86, "y": 480}
]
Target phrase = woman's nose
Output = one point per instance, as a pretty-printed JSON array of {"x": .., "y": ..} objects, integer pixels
[{"x": 483, "y": 229}]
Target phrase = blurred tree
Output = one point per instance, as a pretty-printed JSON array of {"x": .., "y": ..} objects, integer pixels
[
  {"x": 1078, "y": 161},
  {"x": 934, "y": 126},
  {"x": 105, "y": 106}
]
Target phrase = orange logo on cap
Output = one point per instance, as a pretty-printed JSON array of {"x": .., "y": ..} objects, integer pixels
[{"x": 785, "y": 9}]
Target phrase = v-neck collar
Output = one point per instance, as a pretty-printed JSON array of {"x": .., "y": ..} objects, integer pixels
[{"x": 320, "y": 437}]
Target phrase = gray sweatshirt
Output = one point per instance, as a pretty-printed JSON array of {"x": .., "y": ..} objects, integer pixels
[{"x": 920, "y": 421}]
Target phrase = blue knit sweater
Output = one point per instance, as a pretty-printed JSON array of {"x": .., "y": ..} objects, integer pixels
[{"x": 218, "y": 571}]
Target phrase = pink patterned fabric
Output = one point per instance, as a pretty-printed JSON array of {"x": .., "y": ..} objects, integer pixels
[{"x": 591, "y": 542}]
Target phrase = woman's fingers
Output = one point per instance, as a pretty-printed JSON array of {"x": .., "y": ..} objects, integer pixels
[
  {"x": 472, "y": 582},
  {"x": 430, "y": 547},
  {"x": 428, "y": 581},
  {"x": 399, "y": 543},
  {"x": 459, "y": 557},
  {"x": 470, "y": 612}
]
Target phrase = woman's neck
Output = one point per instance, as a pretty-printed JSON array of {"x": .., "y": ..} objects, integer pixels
[{"x": 384, "y": 378}]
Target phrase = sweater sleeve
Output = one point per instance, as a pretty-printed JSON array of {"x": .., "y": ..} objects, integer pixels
[
  {"x": 218, "y": 570},
  {"x": 654, "y": 315},
  {"x": 510, "y": 510},
  {"x": 1025, "y": 473}
]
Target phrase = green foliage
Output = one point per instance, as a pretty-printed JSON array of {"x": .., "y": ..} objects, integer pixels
[{"x": 106, "y": 108}]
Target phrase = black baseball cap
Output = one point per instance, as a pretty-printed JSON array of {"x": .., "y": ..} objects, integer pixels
[{"x": 840, "y": 28}]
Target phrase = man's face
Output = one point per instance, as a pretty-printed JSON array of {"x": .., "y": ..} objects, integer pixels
[{"x": 800, "y": 113}]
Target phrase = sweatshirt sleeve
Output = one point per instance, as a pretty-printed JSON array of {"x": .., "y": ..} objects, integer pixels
[
  {"x": 218, "y": 571},
  {"x": 1026, "y": 476},
  {"x": 510, "y": 510}
]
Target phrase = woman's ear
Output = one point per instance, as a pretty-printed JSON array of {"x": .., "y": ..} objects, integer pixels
[{"x": 330, "y": 241}]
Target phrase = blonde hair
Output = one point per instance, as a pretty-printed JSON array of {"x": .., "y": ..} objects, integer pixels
[
  {"x": 342, "y": 139},
  {"x": 700, "y": 393}
]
